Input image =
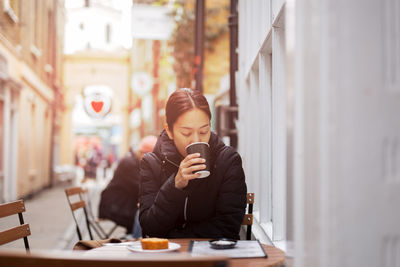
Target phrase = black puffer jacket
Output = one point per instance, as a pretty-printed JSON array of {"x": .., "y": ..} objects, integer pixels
[{"x": 212, "y": 207}]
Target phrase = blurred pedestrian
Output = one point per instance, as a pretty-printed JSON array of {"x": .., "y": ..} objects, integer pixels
[
  {"x": 119, "y": 200},
  {"x": 110, "y": 160},
  {"x": 93, "y": 157}
]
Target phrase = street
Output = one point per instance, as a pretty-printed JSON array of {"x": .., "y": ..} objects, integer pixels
[{"x": 50, "y": 218}]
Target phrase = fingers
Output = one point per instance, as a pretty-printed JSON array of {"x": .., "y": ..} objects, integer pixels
[
  {"x": 189, "y": 177},
  {"x": 195, "y": 168},
  {"x": 182, "y": 179},
  {"x": 191, "y": 156},
  {"x": 187, "y": 173},
  {"x": 192, "y": 159},
  {"x": 191, "y": 163}
]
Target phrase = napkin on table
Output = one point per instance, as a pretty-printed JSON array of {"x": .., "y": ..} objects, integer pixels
[{"x": 90, "y": 244}]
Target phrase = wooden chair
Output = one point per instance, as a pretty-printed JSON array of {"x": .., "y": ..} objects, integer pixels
[
  {"x": 22, "y": 231},
  {"x": 79, "y": 259},
  {"x": 78, "y": 204},
  {"x": 248, "y": 217},
  {"x": 82, "y": 202}
]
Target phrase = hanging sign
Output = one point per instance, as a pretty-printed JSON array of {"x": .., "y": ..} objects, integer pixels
[
  {"x": 97, "y": 101},
  {"x": 151, "y": 22},
  {"x": 141, "y": 83}
]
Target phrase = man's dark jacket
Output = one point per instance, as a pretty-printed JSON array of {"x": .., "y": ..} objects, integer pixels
[
  {"x": 119, "y": 199},
  {"x": 211, "y": 207}
]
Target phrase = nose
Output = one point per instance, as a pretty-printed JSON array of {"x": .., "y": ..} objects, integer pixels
[{"x": 196, "y": 137}]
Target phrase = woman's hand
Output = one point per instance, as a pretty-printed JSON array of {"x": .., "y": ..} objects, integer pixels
[{"x": 186, "y": 169}]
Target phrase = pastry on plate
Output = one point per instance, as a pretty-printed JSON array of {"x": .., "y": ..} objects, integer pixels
[{"x": 154, "y": 243}]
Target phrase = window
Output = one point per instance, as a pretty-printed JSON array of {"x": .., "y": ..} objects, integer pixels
[
  {"x": 1, "y": 150},
  {"x": 279, "y": 135},
  {"x": 264, "y": 125},
  {"x": 33, "y": 137},
  {"x": 265, "y": 106},
  {"x": 108, "y": 33},
  {"x": 11, "y": 8},
  {"x": 1, "y": 136},
  {"x": 35, "y": 32}
]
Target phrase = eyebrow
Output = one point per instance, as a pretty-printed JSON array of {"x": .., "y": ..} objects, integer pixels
[{"x": 189, "y": 128}]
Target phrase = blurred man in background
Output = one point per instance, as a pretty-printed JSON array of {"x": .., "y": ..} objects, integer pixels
[{"x": 119, "y": 200}]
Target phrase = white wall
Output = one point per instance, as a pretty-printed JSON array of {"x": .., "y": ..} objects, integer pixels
[
  {"x": 319, "y": 98},
  {"x": 347, "y": 69}
]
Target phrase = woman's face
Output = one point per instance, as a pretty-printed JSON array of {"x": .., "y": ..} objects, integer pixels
[{"x": 192, "y": 126}]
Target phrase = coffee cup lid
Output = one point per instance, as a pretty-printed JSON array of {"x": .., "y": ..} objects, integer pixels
[
  {"x": 195, "y": 143},
  {"x": 203, "y": 174}
]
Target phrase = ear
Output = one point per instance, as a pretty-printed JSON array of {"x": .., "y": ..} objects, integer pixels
[{"x": 170, "y": 134}]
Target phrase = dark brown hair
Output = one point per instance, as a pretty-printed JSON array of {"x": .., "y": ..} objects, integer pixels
[{"x": 183, "y": 100}]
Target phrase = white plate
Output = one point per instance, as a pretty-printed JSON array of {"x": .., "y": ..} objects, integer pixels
[
  {"x": 137, "y": 247},
  {"x": 122, "y": 244}
]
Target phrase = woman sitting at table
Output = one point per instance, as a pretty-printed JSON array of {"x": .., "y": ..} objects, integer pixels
[{"x": 175, "y": 202}]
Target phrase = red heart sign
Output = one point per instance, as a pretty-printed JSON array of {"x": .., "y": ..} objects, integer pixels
[{"x": 97, "y": 105}]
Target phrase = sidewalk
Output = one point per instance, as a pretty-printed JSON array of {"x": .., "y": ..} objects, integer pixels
[{"x": 50, "y": 218}]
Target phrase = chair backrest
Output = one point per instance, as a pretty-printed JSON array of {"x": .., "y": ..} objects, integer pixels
[
  {"x": 79, "y": 259},
  {"x": 248, "y": 217},
  {"x": 21, "y": 231},
  {"x": 86, "y": 198},
  {"x": 76, "y": 202}
]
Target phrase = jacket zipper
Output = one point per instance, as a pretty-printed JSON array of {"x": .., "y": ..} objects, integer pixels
[
  {"x": 186, "y": 199},
  {"x": 173, "y": 163},
  {"x": 184, "y": 211}
]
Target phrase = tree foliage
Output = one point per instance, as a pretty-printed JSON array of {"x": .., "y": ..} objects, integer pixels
[
  {"x": 181, "y": 44},
  {"x": 182, "y": 41}
]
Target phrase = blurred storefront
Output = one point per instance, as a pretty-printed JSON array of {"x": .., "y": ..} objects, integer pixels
[{"x": 31, "y": 40}]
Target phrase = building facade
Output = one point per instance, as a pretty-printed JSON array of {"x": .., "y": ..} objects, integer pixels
[
  {"x": 318, "y": 91},
  {"x": 262, "y": 113},
  {"x": 162, "y": 53},
  {"x": 152, "y": 74},
  {"x": 31, "y": 41},
  {"x": 97, "y": 72}
]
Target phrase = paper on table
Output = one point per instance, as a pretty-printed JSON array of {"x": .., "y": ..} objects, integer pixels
[
  {"x": 122, "y": 244},
  {"x": 243, "y": 249}
]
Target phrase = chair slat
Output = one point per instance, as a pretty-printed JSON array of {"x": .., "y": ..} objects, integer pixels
[
  {"x": 77, "y": 205},
  {"x": 14, "y": 233},
  {"x": 11, "y": 208},
  {"x": 73, "y": 191},
  {"x": 250, "y": 198},
  {"x": 248, "y": 219}
]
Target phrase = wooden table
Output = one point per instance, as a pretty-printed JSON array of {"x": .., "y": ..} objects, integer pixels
[{"x": 276, "y": 257}]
